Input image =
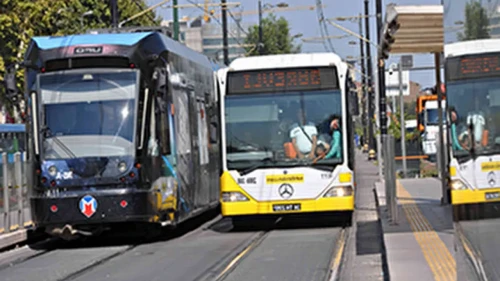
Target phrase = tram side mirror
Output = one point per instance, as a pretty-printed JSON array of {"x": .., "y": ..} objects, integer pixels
[
  {"x": 10, "y": 85},
  {"x": 160, "y": 78}
]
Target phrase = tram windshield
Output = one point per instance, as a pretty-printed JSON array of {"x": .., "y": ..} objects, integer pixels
[
  {"x": 270, "y": 129},
  {"x": 475, "y": 104},
  {"x": 88, "y": 113}
]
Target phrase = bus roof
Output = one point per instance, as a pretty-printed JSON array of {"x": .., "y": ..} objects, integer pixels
[
  {"x": 12, "y": 128},
  {"x": 472, "y": 47},
  {"x": 285, "y": 61},
  {"x": 127, "y": 39}
]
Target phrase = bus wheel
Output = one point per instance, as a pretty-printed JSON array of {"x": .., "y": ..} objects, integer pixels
[{"x": 347, "y": 219}]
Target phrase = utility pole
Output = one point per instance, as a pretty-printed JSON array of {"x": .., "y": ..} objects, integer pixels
[
  {"x": 402, "y": 117},
  {"x": 224, "y": 32},
  {"x": 114, "y": 13},
  {"x": 260, "y": 29},
  {"x": 369, "y": 79},
  {"x": 176, "y": 20},
  {"x": 363, "y": 77},
  {"x": 381, "y": 74}
]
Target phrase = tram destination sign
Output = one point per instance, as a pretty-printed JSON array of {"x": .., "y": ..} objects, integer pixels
[
  {"x": 473, "y": 66},
  {"x": 282, "y": 80}
]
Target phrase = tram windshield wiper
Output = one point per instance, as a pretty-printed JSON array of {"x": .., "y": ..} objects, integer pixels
[{"x": 48, "y": 134}]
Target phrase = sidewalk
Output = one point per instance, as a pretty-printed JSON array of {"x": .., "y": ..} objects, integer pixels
[
  {"x": 17, "y": 230},
  {"x": 420, "y": 245}
]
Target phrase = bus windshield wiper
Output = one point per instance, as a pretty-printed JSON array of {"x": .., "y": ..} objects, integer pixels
[
  {"x": 47, "y": 133},
  {"x": 262, "y": 163}
]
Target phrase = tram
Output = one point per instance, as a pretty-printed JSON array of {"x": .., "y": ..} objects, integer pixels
[
  {"x": 287, "y": 136},
  {"x": 122, "y": 128},
  {"x": 472, "y": 71}
]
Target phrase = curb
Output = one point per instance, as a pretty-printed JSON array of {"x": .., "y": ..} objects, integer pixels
[{"x": 385, "y": 265}]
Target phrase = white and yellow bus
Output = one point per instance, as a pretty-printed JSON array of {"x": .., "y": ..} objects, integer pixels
[
  {"x": 472, "y": 70},
  {"x": 287, "y": 135}
]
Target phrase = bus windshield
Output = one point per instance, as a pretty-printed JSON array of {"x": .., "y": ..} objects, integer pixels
[
  {"x": 433, "y": 116},
  {"x": 269, "y": 128},
  {"x": 476, "y": 103},
  {"x": 88, "y": 113}
]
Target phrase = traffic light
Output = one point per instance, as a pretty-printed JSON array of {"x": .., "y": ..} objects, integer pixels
[
  {"x": 206, "y": 17},
  {"x": 388, "y": 38}
]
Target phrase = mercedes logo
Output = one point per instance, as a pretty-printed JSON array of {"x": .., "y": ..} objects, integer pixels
[
  {"x": 285, "y": 190},
  {"x": 491, "y": 179}
]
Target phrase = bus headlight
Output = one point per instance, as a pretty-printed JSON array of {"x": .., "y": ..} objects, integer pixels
[
  {"x": 457, "y": 185},
  {"x": 339, "y": 191},
  {"x": 233, "y": 197},
  {"x": 52, "y": 171}
]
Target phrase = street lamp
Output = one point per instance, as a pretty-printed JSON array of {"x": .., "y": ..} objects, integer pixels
[
  {"x": 298, "y": 35},
  {"x": 87, "y": 13},
  {"x": 353, "y": 43},
  {"x": 267, "y": 6}
]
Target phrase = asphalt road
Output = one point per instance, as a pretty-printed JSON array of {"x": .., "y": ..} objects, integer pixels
[
  {"x": 483, "y": 235},
  {"x": 287, "y": 251}
]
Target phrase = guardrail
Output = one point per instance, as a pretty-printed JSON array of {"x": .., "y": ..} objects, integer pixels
[{"x": 14, "y": 202}]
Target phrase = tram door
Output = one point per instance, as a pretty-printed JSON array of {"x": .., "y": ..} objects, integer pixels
[
  {"x": 185, "y": 169},
  {"x": 204, "y": 182}
]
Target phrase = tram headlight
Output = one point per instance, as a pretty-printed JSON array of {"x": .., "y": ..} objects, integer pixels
[
  {"x": 233, "y": 197},
  {"x": 457, "y": 185},
  {"x": 339, "y": 191},
  {"x": 52, "y": 171},
  {"x": 122, "y": 167}
]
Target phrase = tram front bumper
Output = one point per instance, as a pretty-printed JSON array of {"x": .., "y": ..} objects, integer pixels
[{"x": 94, "y": 208}]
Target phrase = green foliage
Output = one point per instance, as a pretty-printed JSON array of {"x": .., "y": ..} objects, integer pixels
[
  {"x": 395, "y": 128},
  {"x": 275, "y": 36},
  {"x": 21, "y": 20},
  {"x": 428, "y": 169},
  {"x": 476, "y": 23}
]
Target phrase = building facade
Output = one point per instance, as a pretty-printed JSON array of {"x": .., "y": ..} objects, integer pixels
[{"x": 207, "y": 38}]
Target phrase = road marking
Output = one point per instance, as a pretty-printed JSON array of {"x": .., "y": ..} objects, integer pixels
[
  {"x": 334, "y": 269},
  {"x": 247, "y": 249},
  {"x": 437, "y": 255},
  {"x": 471, "y": 253}
]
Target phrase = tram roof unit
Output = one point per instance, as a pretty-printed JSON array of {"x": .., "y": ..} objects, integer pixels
[
  {"x": 471, "y": 47},
  {"x": 120, "y": 45},
  {"x": 288, "y": 61}
]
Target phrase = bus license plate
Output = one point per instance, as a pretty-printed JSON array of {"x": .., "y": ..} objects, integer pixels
[
  {"x": 286, "y": 207},
  {"x": 492, "y": 195}
]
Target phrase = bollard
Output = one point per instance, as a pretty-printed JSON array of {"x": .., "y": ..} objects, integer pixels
[
  {"x": 6, "y": 199},
  {"x": 18, "y": 174},
  {"x": 390, "y": 177}
]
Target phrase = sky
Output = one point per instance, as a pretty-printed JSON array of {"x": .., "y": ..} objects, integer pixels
[
  {"x": 454, "y": 12},
  {"x": 306, "y": 22}
]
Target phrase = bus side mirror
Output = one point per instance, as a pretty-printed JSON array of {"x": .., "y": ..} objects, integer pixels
[{"x": 355, "y": 104}]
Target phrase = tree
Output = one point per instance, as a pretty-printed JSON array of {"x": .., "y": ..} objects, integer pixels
[
  {"x": 476, "y": 23},
  {"x": 22, "y": 20},
  {"x": 275, "y": 36}
]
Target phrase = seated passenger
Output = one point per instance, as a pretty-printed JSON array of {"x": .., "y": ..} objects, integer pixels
[{"x": 304, "y": 136}]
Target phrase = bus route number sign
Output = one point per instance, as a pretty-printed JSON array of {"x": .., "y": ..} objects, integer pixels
[{"x": 282, "y": 80}]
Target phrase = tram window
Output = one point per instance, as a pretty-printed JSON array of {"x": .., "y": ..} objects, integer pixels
[{"x": 163, "y": 128}]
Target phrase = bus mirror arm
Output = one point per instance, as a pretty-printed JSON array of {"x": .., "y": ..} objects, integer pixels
[{"x": 472, "y": 140}]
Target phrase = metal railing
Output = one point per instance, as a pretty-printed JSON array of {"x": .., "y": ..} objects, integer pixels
[{"x": 14, "y": 202}]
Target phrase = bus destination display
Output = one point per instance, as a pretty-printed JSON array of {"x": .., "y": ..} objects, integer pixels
[
  {"x": 484, "y": 65},
  {"x": 281, "y": 80}
]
